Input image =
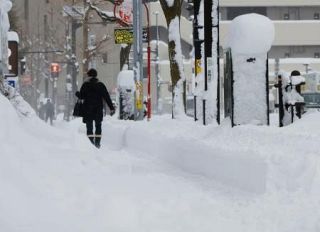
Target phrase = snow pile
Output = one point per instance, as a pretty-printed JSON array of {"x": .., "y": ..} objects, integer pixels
[
  {"x": 249, "y": 89},
  {"x": 251, "y": 33},
  {"x": 250, "y": 37},
  {"x": 233, "y": 167},
  {"x": 164, "y": 175},
  {"x": 126, "y": 79},
  {"x": 5, "y": 7}
]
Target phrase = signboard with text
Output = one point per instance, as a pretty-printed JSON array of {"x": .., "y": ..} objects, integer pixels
[{"x": 123, "y": 35}]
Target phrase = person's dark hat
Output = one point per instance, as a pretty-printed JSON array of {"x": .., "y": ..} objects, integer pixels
[
  {"x": 92, "y": 73},
  {"x": 295, "y": 73}
]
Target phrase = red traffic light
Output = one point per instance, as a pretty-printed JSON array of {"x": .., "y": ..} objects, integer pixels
[{"x": 55, "y": 67}]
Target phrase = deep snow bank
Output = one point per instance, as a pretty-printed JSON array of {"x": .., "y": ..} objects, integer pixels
[
  {"x": 180, "y": 144},
  {"x": 251, "y": 158},
  {"x": 53, "y": 180}
]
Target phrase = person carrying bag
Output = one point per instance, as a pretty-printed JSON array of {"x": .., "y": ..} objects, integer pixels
[
  {"x": 94, "y": 93},
  {"x": 78, "y": 107}
]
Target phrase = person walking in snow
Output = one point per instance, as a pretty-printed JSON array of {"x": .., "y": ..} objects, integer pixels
[
  {"x": 49, "y": 111},
  {"x": 94, "y": 95}
]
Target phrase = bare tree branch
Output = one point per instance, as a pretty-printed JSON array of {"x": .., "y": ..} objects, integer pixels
[
  {"x": 102, "y": 14},
  {"x": 92, "y": 52}
]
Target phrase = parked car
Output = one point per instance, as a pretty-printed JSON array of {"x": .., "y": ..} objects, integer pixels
[{"x": 312, "y": 100}]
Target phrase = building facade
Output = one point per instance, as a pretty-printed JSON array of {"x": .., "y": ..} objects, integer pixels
[
  {"x": 46, "y": 37},
  {"x": 297, "y": 30},
  {"x": 45, "y": 26}
]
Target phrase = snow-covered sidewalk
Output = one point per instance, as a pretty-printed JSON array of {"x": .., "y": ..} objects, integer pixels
[{"x": 158, "y": 176}]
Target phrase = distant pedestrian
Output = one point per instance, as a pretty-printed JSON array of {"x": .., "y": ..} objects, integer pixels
[
  {"x": 94, "y": 95},
  {"x": 49, "y": 111}
]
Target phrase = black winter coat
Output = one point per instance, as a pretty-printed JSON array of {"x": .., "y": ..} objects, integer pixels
[{"x": 94, "y": 93}]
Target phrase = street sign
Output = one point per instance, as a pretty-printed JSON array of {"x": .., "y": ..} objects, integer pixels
[
  {"x": 198, "y": 66},
  {"x": 123, "y": 35},
  {"x": 123, "y": 11},
  {"x": 12, "y": 81},
  {"x": 145, "y": 36}
]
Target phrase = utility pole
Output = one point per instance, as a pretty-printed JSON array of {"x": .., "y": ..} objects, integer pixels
[
  {"x": 216, "y": 48},
  {"x": 138, "y": 57},
  {"x": 26, "y": 15},
  {"x": 37, "y": 76},
  {"x": 197, "y": 49},
  {"x": 211, "y": 51},
  {"x": 46, "y": 29},
  {"x": 85, "y": 39},
  {"x": 74, "y": 26},
  {"x": 207, "y": 50}
]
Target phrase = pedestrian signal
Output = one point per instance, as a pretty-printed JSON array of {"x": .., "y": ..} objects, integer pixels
[{"x": 55, "y": 69}]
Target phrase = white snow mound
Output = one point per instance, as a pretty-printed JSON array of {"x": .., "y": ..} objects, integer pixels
[{"x": 250, "y": 33}]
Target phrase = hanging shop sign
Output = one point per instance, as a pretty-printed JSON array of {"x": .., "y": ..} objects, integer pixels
[
  {"x": 123, "y": 35},
  {"x": 123, "y": 11}
]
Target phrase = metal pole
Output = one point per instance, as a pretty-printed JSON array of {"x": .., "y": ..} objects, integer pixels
[
  {"x": 208, "y": 48},
  {"x": 216, "y": 22},
  {"x": 73, "y": 57},
  {"x": 149, "y": 64},
  {"x": 157, "y": 62},
  {"x": 197, "y": 49},
  {"x": 85, "y": 40},
  {"x": 54, "y": 92},
  {"x": 281, "y": 105},
  {"x": 26, "y": 15},
  {"x": 46, "y": 28},
  {"x": 138, "y": 57}
]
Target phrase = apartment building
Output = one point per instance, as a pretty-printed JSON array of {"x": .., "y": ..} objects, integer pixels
[
  {"x": 297, "y": 30},
  {"x": 297, "y": 34}
]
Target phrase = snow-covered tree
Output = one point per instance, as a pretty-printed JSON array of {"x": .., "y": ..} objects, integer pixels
[{"x": 172, "y": 11}]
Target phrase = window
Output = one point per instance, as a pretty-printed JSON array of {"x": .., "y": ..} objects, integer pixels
[
  {"x": 316, "y": 16},
  {"x": 233, "y": 12},
  {"x": 105, "y": 58}
]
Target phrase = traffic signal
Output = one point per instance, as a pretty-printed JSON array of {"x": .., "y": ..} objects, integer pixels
[
  {"x": 55, "y": 69},
  {"x": 23, "y": 66}
]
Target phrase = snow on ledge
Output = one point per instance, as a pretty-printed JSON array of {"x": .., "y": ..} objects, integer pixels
[{"x": 13, "y": 36}]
